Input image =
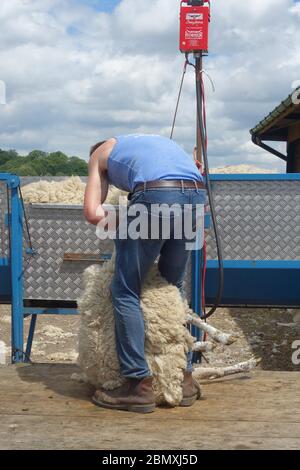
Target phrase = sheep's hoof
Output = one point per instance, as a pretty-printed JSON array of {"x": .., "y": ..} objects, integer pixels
[
  {"x": 191, "y": 390},
  {"x": 189, "y": 401}
]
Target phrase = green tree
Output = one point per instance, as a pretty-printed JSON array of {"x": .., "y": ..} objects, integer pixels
[
  {"x": 6, "y": 155},
  {"x": 57, "y": 162},
  {"x": 27, "y": 170},
  {"x": 37, "y": 155},
  {"x": 39, "y": 163},
  {"x": 11, "y": 166},
  {"x": 77, "y": 166}
]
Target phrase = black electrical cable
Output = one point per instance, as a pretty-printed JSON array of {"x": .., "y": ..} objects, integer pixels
[
  {"x": 26, "y": 219},
  {"x": 178, "y": 99},
  {"x": 199, "y": 93},
  {"x": 187, "y": 62}
]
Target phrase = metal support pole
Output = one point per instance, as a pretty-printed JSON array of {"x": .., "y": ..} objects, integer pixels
[
  {"x": 30, "y": 337},
  {"x": 257, "y": 141},
  {"x": 198, "y": 64},
  {"x": 197, "y": 297},
  {"x": 16, "y": 264},
  {"x": 197, "y": 254}
]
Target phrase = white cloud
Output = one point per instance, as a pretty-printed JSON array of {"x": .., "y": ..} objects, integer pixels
[{"x": 75, "y": 75}]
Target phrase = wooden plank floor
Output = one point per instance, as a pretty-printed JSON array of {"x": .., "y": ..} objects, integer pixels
[{"x": 42, "y": 408}]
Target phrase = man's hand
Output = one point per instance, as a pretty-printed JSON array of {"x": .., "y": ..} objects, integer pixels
[{"x": 100, "y": 212}]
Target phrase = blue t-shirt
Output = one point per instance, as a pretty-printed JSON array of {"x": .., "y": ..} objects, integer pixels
[{"x": 140, "y": 158}]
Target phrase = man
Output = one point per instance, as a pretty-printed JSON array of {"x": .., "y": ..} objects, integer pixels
[{"x": 154, "y": 170}]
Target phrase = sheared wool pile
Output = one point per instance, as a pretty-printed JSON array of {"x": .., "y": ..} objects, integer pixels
[
  {"x": 166, "y": 343},
  {"x": 68, "y": 191},
  {"x": 242, "y": 169}
]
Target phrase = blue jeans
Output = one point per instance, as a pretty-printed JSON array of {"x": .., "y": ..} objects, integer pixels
[{"x": 134, "y": 257}]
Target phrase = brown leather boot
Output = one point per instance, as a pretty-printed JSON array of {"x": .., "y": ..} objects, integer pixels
[
  {"x": 134, "y": 395},
  {"x": 191, "y": 390}
]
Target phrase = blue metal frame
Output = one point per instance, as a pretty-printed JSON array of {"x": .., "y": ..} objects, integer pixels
[
  {"x": 256, "y": 177},
  {"x": 246, "y": 282},
  {"x": 13, "y": 265},
  {"x": 255, "y": 283},
  {"x": 11, "y": 275},
  {"x": 49, "y": 311},
  {"x": 34, "y": 312}
]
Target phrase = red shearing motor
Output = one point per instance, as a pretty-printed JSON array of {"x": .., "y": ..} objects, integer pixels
[{"x": 194, "y": 22}]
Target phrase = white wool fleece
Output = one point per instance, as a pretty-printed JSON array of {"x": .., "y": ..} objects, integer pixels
[
  {"x": 69, "y": 191},
  {"x": 167, "y": 339}
]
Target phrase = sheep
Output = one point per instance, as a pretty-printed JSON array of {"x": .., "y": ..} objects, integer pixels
[
  {"x": 167, "y": 338},
  {"x": 166, "y": 314}
]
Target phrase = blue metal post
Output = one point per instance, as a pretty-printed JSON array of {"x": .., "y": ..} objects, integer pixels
[
  {"x": 196, "y": 294},
  {"x": 16, "y": 262},
  {"x": 30, "y": 337}
]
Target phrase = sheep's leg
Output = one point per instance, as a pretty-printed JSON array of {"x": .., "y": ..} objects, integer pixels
[
  {"x": 289, "y": 325},
  {"x": 203, "y": 346},
  {"x": 213, "y": 332},
  {"x": 216, "y": 372}
]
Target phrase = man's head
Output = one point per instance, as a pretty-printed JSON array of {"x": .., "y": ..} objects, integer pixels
[{"x": 96, "y": 146}]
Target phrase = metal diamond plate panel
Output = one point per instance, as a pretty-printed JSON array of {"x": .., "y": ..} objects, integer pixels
[
  {"x": 258, "y": 220},
  {"x": 56, "y": 230}
]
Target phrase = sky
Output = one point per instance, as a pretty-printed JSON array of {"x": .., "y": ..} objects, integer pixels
[{"x": 80, "y": 71}]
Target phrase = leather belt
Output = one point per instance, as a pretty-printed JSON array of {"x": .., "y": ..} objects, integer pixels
[{"x": 176, "y": 184}]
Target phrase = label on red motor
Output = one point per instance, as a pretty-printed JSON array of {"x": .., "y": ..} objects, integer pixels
[{"x": 194, "y": 17}]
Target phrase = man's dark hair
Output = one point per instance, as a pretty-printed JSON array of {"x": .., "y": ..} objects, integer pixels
[{"x": 94, "y": 147}]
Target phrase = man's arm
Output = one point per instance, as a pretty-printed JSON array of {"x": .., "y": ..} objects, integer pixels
[{"x": 95, "y": 192}]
